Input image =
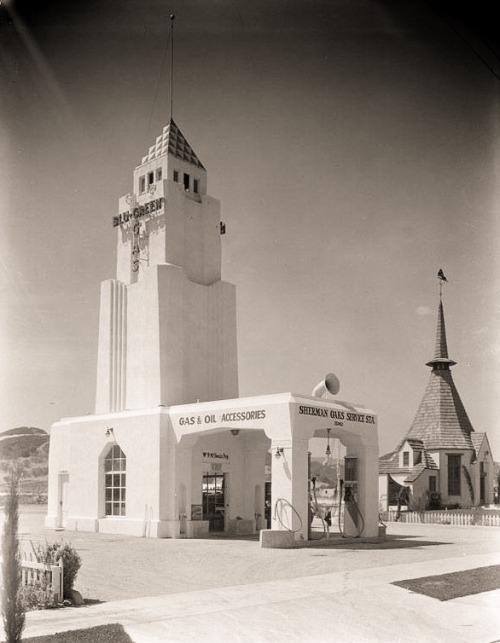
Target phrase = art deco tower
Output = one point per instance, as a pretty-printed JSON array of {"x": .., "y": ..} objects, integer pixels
[{"x": 167, "y": 326}]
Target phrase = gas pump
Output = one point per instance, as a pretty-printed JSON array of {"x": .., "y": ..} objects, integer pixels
[
  {"x": 350, "y": 480},
  {"x": 353, "y": 518}
]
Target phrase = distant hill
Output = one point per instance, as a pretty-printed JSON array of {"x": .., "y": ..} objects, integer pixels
[{"x": 29, "y": 447}]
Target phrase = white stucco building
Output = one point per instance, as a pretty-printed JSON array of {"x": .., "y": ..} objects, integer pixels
[{"x": 171, "y": 450}]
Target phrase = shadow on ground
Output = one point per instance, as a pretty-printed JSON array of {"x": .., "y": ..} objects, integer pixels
[{"x": 391, "y": 542}]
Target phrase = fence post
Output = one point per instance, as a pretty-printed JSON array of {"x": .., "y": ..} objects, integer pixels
[{"x": 57, "y": 580}]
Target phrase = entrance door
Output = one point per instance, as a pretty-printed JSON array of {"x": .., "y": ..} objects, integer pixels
[
  {"x": 482, "y": 484},
  {"x": 267, "y": 504},
  {"x": 62, "y": 499},
  {"x": 213, "y": 498}
]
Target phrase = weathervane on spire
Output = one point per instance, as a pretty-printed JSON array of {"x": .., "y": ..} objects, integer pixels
[
  {"x": 172, "y": 18},
  {"x": 442, "y": 279}
]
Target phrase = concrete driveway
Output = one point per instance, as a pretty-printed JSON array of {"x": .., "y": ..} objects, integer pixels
[{"x": 177, "y": 590}]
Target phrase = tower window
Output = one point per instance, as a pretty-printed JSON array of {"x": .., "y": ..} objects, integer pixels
[
  {"x": 195, "y": 186},
  {"x": 176, "y": 176},
  {"x": 151, "y": 178},
  {"x": 186, "y": 181},
  {"x": 454, "y": 466},
  {"x": 158, "y": 174},
  {"x": 142, "y": 184},
  {"x": 115, "y": 479}
]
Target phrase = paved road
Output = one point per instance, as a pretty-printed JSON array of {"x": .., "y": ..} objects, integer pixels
[{"x": 207, "y": 590}]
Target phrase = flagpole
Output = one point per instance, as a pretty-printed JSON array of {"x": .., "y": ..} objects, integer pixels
[{"x": 172, "y": 18}]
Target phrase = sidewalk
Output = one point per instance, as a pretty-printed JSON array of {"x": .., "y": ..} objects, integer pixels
[
  {"x": 232, "y": 590},
  {"x": 354, "y": 607}
]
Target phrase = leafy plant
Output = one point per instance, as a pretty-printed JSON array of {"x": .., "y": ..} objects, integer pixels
[
  {"x": 434, "y": 500},
  {"x": 12, "y": 607},
  {"x": 39, "y": 596},
  {"x": 51, "y": 553}
]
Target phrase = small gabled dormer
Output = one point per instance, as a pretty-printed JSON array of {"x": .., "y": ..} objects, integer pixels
[{"x": 410, "y": 453}]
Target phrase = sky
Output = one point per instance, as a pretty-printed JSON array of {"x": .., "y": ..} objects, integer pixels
[{"x": 353, "y": 147}]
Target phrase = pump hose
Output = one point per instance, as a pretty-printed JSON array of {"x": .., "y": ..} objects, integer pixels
[
  {"x": 281, "y": 503},
  {"x": 341, "y": 484},
  {"x": 316, "y": 509},
  {"x": 357, "y": 510}
]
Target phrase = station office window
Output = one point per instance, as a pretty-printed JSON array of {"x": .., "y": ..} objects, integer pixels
[
  {"x": 151, "y": 178},
  {"x": 142, "y": 184},
  {"x": 454, "y": 466},
  {"x": 158, "y": 174},
  {"x": 195, "y": 186},
  {"x": 115, "y": 481},
  {"x": 186, "y": 181}
]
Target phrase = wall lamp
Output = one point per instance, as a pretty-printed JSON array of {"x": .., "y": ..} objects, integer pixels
[
  {"x": 110, "y": 432},
  {"x": 279, "y": 452},
  {"x": 235, "y": 431}
]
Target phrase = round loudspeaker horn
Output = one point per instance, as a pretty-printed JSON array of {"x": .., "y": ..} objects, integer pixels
[{"x": 330, "y": 384}]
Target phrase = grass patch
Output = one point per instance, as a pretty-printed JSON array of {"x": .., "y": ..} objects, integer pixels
[
  {"x": 113, "y": 633},
  {"x": 447, "y": 586}
]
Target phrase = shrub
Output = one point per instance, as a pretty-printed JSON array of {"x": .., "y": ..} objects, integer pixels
[
  {"x": 38, "y": 596},
  {"x": 434, "y": 501},
  {"x": 12, "y": 609},
  {"x": 51, "y": 553}
]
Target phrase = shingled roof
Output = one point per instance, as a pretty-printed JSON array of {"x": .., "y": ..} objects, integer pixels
[
  {"x": 441, "y": 421},
  {"x": 172, "y": 141}
]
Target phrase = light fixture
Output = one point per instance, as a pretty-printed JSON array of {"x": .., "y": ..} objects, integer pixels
[
  {"x": 279, "y": 452},
  {"x": 110, "y": 432},
  {"x": 235, "y": 431},
  {"x": 328, "y": 452}
]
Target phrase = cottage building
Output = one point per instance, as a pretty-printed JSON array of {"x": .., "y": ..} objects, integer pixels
[{"x": 441, "y": 459}]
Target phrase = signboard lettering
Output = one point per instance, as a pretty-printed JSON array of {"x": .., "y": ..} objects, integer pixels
[
  {"x": 138, "y": 212},
  {"x": 337, "y": 415}
]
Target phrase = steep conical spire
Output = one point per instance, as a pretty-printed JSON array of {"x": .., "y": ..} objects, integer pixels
[
  {"x": 441, "y": 421},
  {"x": 441, "y": 360},
  {"x": 441, "y": 349}
]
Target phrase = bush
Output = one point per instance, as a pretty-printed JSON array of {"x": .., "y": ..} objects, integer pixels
[
  {"x": 52, "y": 553},
  {"x": 38, "y": 596},
  {"x": 434, "y": 501},
  {"x": 12, "y": 608}
]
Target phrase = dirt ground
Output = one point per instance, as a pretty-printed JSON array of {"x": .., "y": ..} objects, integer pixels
[{"x": 118, "y": 567}]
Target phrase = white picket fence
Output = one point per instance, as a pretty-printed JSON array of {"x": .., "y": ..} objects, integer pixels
[
  {"x": 444, "y": 518},
  {"x": 33, "y": 573}
]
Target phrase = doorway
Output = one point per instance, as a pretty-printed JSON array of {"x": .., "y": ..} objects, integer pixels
[
  {"x": 62, "y": 499},
  {"x": 214, "y": 500}
]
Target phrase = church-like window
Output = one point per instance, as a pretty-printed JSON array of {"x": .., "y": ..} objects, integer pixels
[
  {"x": 406, "y": 458},
  {"x": 432, "y": 484},
  {"x": 115, "y": 481},
  {"x": 454, "y": 468}
]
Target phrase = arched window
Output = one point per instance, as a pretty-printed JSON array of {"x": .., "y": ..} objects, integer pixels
[{"x": 115, "y": 481}]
